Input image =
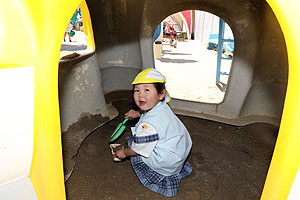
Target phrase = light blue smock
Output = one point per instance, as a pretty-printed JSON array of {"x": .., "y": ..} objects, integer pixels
[{"x": 174, "y": 144}]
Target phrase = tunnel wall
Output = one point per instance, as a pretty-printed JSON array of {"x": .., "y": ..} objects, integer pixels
[
  {"x": 80, "y": 90},
  {"x": 116, "y": 26},
  {"x": 124, "y": 30},
  {"x": 242, "y": 20},
  {"x": 271, "y": 70},
  {"x": 258, "y": 76}
]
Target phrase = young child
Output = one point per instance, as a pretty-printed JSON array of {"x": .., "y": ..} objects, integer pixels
[
  {"x": 160, "y": 143},
  {"x": 68, "y": 30}
]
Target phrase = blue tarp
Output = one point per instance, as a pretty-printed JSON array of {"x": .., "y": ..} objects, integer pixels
[{"x": 213, "y": 43}]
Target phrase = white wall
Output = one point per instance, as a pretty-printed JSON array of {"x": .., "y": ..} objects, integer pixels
[{"x": 206, "y": 24}]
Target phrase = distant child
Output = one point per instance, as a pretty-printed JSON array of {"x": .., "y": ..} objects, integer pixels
[
  {"x": 68, "y": 30},
  {"x": 160, "y": 143}
]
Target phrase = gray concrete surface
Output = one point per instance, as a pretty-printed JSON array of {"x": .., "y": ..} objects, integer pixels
[
  {"x": 124, "y": 34},
  {"x": 81, "y": 91}
]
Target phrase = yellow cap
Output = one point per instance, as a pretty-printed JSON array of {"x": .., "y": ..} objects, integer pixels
[{"x": 151, "y": 75}]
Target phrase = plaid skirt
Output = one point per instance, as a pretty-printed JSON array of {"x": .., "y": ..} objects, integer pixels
[{"x": 165, "y": 185}]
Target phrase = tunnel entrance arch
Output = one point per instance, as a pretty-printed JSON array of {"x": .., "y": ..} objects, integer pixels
[{"x": 196, "y": 70}]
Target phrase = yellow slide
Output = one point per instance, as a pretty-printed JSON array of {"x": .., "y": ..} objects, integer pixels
[
  {"x": 31, "y": 33},
  {"x": 286, "y": 157}
]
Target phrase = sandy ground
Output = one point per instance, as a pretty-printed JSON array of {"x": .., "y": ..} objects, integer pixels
[
  {"x": 229, "y": 163},
  {"x": 190, "y": 69}
]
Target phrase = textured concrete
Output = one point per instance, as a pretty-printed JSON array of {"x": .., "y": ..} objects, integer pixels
[
  {"x": 80, "y": 90},
  {"x": 124, "y": 32}
]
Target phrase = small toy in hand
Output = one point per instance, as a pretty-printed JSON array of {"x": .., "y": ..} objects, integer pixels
[{"x": 114, "y": 148}]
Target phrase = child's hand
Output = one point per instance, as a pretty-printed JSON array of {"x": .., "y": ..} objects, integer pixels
[
  {"x": 132, "y": 114},
  {"x": 121, "y": 154}
]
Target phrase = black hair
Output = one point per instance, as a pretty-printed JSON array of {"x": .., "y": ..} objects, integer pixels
[{"x": 160, "y": 87}]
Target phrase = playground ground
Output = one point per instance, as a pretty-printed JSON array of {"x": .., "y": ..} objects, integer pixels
[{"x": 190, "y": 69}]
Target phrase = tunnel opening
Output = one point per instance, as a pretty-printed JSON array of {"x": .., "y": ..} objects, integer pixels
[
  {"x": 187, "y": 52},
  {"x": 229, "y": 160},
  {"x": 75, "y": 40}
]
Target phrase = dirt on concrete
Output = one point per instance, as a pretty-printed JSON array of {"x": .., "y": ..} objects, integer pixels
[
  {"x": 229, "y": 163},
  {"x": 74, "y": 137}
]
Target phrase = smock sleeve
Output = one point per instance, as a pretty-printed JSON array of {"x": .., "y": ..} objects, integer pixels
[{"x": 145, "y": 139}]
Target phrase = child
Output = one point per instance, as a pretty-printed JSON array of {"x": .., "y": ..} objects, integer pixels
[
  {"x": 68, "y": 30},
  {"x": 160, "y": 143}
]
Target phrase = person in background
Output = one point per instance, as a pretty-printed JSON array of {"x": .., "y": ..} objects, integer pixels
[{"x": 68, "y": 30}]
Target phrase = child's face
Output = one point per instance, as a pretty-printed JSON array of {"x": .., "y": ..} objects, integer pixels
[{"x": 146, "y": 96}]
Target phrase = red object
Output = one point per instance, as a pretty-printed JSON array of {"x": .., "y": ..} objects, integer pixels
[{"x": 187, "y": 14}]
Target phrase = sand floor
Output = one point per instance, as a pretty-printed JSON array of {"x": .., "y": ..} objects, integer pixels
[{"x": 229, "y": 163}]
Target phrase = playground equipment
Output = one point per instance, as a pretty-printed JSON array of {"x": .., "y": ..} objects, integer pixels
[
  {"x": 29, "y": 89},
  {"x": 31, "y": 152},
  {"x": 169, "y": 32}
]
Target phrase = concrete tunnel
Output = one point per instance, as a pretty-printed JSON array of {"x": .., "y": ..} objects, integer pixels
[
  {"x": 123, "y": 32},
  {"x": 258, "y": 76}
]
